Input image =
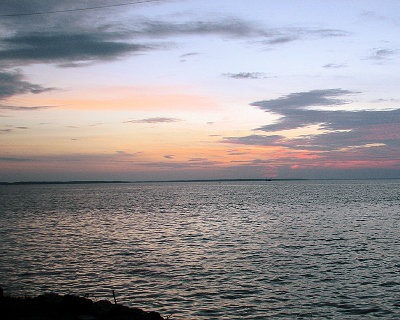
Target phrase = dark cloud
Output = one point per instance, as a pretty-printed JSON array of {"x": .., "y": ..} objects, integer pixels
[
  {"x": 14, "y": 159},
  {"x": 339, "y": 129},
  {"x": 245, "y": 75},
  {"x": 294, "y": 112},
  {"x": 258, "y": 140},
  {"x": 13, "y": 83},
  {"x": 169, "y": 156},
  {"x": 82, "y": 38},
  {"x": 64, "y": 46},
  {"x": 154, "y": 120},
  {"x": 298, "y": 100}
]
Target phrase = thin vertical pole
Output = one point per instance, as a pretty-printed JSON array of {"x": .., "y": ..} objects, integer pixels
[{"x": 115, "y": 300}]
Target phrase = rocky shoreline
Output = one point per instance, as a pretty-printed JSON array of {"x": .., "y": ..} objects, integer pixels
[{"x": 51, "y": 306}]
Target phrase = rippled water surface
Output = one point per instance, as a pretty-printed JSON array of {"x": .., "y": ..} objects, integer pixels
[{"x": 245, "y": 250}]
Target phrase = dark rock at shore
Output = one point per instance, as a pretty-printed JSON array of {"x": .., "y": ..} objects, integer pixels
[{"x": 52, "y": 306}]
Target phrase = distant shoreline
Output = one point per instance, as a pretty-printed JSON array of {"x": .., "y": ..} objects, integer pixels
[
  {"x": 173, "y": 181},
  {"x": 142, "y": 181}
]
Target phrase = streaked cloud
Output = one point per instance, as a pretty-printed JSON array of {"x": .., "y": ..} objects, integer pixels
[
  {"x": 189, "y": 54},
  {"x": 21, "y": 108},
  {"x": 334, "y": 66},
  {"x": 65, "y": 46},
  {"x": 154, "y": 120},
  {"x": 245, "y": 75},
  {"x": 14, "y": 159}
]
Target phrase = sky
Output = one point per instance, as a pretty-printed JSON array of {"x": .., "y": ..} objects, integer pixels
[{"x": 190, "y": 89}]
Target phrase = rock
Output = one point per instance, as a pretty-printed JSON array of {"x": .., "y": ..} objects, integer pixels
[
  {"x": 52, "y": 306},
  {"x": 102, "y": 307},
  {"x": 76, "y": 305}
]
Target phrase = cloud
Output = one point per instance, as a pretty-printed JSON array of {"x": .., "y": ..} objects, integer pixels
[
  {"x": 117, "y": 157},
  {"x": 80, "y": 39},
  {"x": 189, "y": 54},
  {"x": 339, "y": 129},
  {"x": 236, "y": 153},
  {"x": 180, "y": 165},
  {"x": 298, "y": 100},
  {"x": 258, "y": 140},
  {"x": 169, "y": 156},
  {"x": 13, "y": 83},
  {"x": 20, "y": 108},
  {"x": 62, "y": 46},
  {"x": 295, "y": 113},
  {"x": 231, "y": 27},
  {"x": 245, "y": 75},
  {"x": 14, "y": 159},
  {"x": 334, "y": 66},
  {"x": 280, "y": 36},
  {"x": 282, "y": 40},
  {"x": 154, "y": 120},
  {"x": 381, "y": 54},
  {"x": 127, "y": 154}
]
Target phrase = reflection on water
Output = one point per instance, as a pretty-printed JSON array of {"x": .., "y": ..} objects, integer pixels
[{"x": 306, "y": 249}]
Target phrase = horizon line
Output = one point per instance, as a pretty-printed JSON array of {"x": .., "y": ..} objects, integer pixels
[{"x": 182, "y": 180}]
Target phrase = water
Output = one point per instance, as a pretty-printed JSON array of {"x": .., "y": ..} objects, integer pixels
[{"x": 246, "y": 250}]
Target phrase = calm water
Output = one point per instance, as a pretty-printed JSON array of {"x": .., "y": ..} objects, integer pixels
[{"x": 278, "y": 250}]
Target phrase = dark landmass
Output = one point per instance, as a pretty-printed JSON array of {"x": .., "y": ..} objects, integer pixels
[
  {"x": 151, "y": 181},
  {"x": 59, "y": 182},
  {"x": 52, "y": 306},
  {"x": 178, "y": 181}
]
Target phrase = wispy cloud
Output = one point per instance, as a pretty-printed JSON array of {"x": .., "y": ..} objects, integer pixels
[
  {"x": 189, "y": 54},
  {"x": 20, "y": 108},
  {"x": 381, "y": 54},
  {"x": 14, "y": 159},
  {"x": 334, "y": 66},
  {"x": 245, "y": 75},
  {"x": 154, "y": 120},
  {"x": 127, "y": 154}
]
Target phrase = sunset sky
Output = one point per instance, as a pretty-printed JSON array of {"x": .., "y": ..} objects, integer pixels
[{"x": 190, "y": 89}]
